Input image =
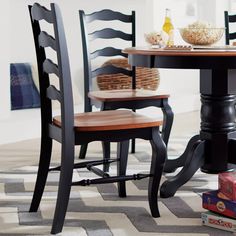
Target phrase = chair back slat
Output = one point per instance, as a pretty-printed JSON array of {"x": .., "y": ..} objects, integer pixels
[
  {"x": 107, "y": 52},
  {"x": 232, "y": 18},
  {"x": 50, "y": 67},
  {"x": 45, "y": 67},
  {"x": 46, "y": 40},
  {"x": 232, "y": 35},
  {"x": 53, "y": 93},
  {"x": 109, "y": 33},
  {"x": 110, "y": 69},
  {"x": 41, "y": 13},
  {"x": 108, "y": 15}
]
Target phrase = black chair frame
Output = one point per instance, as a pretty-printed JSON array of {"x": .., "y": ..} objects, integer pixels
[
  {"x": 66, "y": 134},
  {"x": 90, "y": 75}
]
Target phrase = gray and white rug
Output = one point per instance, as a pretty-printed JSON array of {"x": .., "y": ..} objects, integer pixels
[{"x": 97, "y": 210}]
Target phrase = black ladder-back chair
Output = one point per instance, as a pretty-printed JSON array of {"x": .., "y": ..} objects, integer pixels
[
  {"x": 113, "y": 99},
  {"x": 229, "y": 35},
  {"x": 70, "y": 130}
]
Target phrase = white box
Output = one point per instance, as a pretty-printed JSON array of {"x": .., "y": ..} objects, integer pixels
[{"x": 218, "y": 221}]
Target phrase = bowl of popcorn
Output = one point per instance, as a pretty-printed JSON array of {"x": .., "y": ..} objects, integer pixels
[
  {"x": 201, "y": 33},
  {"x": 156, "y": 39}
]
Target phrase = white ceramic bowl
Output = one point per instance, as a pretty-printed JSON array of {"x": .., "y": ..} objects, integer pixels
[
  {"x": 201, "y": 36},
  {"x": 156, "y": 38}
]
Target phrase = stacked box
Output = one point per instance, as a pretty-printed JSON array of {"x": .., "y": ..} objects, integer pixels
[
  {"x": 219, "y": 222},
  {"x": 217, "y": 202},
  {"x": 227, "y": 184},
  {"x": 223, "y": 202}
]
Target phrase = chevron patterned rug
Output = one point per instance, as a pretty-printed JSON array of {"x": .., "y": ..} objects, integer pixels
[{"x": 97, "y": 210}]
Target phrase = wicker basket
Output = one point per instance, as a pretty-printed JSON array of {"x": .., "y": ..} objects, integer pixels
[{"x": 146, "y": 78}]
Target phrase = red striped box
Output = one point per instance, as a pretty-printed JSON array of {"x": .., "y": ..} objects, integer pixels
[{"x": 227, "y": 184}]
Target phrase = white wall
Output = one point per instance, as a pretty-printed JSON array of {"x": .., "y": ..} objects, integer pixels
[
  {"x": 181, "y": 85},
  {"x": 17, "y": 125},
  {"x": 22, "y": 47}
]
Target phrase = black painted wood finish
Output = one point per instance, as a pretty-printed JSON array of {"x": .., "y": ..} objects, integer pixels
[
  {"x": 218, "y": 89},
  {"x": 229, "y": 35},
  {"x": 88, "y": 41},
  {"x": 68, "y": 136},
  {"x": 214, "y": 148}
]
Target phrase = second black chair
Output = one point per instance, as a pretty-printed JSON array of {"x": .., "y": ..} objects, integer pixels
[{"x": 115, "y": 99}]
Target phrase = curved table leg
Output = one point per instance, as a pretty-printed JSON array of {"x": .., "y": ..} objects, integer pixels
[
  {"x": 193, "y": 163},
  {"x": 172, "y": 165}
]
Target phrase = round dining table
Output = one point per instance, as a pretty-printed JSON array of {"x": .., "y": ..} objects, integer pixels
[{"x": 214, "y": 148}]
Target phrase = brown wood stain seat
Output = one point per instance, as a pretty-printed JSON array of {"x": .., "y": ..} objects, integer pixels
[
  {"x": 125, "y": 95},
  {"x": 110, "y": 120}
]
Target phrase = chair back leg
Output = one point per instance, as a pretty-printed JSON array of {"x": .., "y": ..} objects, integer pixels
[
  {"x": 106, "y": 148},
  {"x": 133, "y": 146},
  {"x": 83, "y": 151},
  {"x": 67, "y": 165},
  {"x": 44, "y": 162}
]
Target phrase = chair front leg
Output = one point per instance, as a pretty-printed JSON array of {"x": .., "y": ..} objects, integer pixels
[
  {"x": 168, "y": 117},
  {"x": 122, "y": 155},
  {"x": 158, "y": 159},
  {"x": 44, "y": 162}
]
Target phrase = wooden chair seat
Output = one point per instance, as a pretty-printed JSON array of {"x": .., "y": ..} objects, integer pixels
[
  {"x": 125, "y": 95},
  {"x": 110, "y": 120}
]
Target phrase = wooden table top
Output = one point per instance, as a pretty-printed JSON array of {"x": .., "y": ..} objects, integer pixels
[{"x": 193, "y": 52}]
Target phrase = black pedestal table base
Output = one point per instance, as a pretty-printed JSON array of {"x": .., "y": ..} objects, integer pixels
[{"x": 214, "y": 149}]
